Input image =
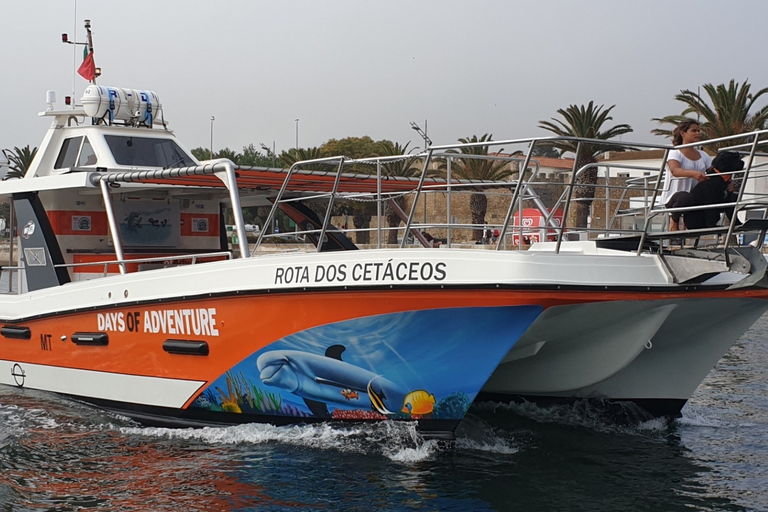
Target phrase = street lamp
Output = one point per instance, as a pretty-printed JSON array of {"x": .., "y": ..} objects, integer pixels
[
  {"x": 212, "y": 120},
  {"x": 297, "y": 133},
  {"x": 423, "y": 133},
  {"x": 427, "y": 143}
]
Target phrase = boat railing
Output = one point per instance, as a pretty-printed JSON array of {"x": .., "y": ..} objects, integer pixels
[
  {"x": 165, "y": 261},
  {"x": 630, "y": 202},
  {"x": 422, "y": 197},
  {"x": 13, "y": 284}
]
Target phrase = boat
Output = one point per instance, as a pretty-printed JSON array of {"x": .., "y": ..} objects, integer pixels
[
  {"x": 129, "y": 298},
  {"x": 128, "y": 294}
]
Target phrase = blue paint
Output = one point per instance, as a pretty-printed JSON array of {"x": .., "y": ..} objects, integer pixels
[{"x": 448, "y": 353}]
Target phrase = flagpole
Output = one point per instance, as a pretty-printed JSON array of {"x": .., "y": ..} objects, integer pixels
[
  {"x": 87, "y": 69},
  {"x": 74, "y": 54},
  {"x": 89, "y": 40}
]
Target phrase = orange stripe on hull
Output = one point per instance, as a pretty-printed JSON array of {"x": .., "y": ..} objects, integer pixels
[{"x": 237, "y": 326}]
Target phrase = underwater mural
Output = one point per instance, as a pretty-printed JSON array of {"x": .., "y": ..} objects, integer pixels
[
  {"x": 409, "y": 365},
  {"x": 146, "y": 223}
]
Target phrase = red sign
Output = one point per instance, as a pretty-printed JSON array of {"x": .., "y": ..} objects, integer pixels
[{"x": 533, "y": 223}]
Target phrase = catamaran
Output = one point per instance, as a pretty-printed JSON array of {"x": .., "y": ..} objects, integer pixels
[{"x": 127, "y": 293}]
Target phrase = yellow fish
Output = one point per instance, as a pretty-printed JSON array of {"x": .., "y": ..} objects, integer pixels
[{"x": 419, "y": 403}]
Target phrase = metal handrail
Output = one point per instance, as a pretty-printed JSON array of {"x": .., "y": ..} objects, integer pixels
[
  {"x": 525, "y": 187},
  {"x": 153, "y": 259}
]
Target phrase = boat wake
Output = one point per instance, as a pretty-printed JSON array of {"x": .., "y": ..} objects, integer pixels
[
  {"x": 693, "y": 417},
  {"x": 16, "y": 420},
  {"x": 605, "y": 417},
  {"x": 396, "y": 441}
]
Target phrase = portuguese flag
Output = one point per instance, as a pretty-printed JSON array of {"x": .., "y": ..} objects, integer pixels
[{"x": 88, "y": 68}]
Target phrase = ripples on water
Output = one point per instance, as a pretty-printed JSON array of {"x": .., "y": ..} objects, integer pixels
[{"x": 60, "y": 455}]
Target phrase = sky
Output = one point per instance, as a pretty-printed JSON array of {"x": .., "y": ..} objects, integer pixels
[{"x": 352, "y": 68}]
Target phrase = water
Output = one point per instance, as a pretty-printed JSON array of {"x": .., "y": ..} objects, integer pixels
[{"x": 60, "y": 455}]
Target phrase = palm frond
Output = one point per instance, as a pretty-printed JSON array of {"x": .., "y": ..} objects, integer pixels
[
  {"x": 725, "y": 111},
  {"x": 19, "y": 160}
]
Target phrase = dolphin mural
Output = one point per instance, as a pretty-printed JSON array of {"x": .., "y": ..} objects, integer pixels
[{"x": 327, "y": 379}]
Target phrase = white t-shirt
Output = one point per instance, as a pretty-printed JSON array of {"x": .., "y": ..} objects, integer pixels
[{"x": 672, "y": 184}]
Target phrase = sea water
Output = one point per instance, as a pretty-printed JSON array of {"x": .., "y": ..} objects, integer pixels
[{"x": 58, "y": 454}]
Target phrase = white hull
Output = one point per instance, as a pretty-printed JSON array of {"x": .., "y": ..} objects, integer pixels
[
  {"x": 639, "y": 351},
  {"x": 108, "y": 386}
]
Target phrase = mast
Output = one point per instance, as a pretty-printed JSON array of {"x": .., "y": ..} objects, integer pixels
[
  {"x": 92, "y": 71},
  {"x": 89, "y": 45}
]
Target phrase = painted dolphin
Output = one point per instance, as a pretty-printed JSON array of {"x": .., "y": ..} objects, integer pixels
[{"x": 323, "y": 378}]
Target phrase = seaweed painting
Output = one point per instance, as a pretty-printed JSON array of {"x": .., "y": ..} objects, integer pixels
[{"x": 241, "y": 396}]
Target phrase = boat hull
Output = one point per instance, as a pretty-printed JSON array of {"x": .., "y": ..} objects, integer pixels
[
  {"x": 291, "y": 358},
  {"x": 264, "y": 339},
  {"x": 655, "y": 362}
]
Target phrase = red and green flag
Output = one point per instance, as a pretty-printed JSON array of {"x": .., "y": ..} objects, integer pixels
[{"x": 88, "y": 68}]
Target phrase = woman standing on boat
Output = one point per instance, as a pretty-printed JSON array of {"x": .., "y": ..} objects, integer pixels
[{"x": 688, "y": 165}]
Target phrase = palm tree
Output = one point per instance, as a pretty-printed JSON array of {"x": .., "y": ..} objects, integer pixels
[
  {"x": 405, "y": 167},
  {"x": 292, "y": 156},
  {"x": 586, "y": 122},
  {"x": 19, "y": 160},
  {"x": 229, "y": 154},
  {"x": 478, "y": 169},
  {"x": 729, "y": 113}
]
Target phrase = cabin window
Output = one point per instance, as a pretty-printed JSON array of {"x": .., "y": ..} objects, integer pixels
[
  {"x": 87, "y": 156},
  {"x": 68, "y": 153},
  {"x": 147, "y": 152}
]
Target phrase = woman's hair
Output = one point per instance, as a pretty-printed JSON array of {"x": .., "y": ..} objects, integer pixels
[{"x": 682, "y": 126}]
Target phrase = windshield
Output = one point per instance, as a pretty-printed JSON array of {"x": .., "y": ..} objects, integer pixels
[
  {"x": 68, "y": 153},
  {"x": 147, "y": 152}
]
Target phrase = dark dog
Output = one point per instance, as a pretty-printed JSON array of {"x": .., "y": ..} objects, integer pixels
[{"x": 715, "y": 190}]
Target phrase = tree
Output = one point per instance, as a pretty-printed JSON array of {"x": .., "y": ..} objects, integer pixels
[
  {"x": 201, "y": 153},
  {"x": 353, "y": 147},
  {"x": 229, "y": 154},
  {"x": 254, "y": 157},
  {"x": 729, "y": 113},
  {"x": 293, "y": 155},
  {"x": 545, "y": 150},
  {"x": 585, "y": 122},
  {"x": 478, "y": 169},
  {"x": 406, "y": 167},
  {"x": 19, "y": 160}
]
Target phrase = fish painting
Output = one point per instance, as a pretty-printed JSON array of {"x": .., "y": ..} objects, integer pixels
[
  {"x": 321, "y": 380},
  {"x": 349, "y": 394},
  {"x": 418, "y": 403}
]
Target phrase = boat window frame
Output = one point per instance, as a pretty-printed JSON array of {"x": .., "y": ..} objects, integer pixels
[
  {"x": 177, "y": 156},
  {"x": 82, "y": 154},
  {"x": 63, "y": 161}
]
